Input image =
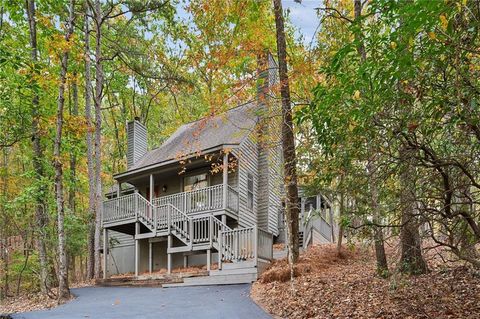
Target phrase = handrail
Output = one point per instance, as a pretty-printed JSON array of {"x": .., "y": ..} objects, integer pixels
[{"x": 146, "y": 211}]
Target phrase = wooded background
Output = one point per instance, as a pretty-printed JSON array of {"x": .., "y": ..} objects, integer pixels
[{"x": 385, "y": 102}]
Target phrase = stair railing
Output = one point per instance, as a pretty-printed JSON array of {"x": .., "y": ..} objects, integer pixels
[{"x": 146, "y": 211}]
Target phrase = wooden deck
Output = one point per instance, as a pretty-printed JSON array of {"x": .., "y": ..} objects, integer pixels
[{"x": 194, "y": 225}]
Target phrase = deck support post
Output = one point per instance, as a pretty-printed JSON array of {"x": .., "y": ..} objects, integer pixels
[
  {"x": 137, "y": 249},
  {"x": 169, "y": 255},
  {"x": 220, "y": 250},
  {"x": 105, "y": 253},
  {"x": 185, "y": 261},
  {"x": 224, "y": 219},
  {"x": 225, "y": 180},
  {"x": 150, "y": 257},
  {"x": 209, "y": 259}
]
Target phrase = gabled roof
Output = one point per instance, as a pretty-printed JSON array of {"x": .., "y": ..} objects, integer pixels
[{"x": 225, "y": 129}]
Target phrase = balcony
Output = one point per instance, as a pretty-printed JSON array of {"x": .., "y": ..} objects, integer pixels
[{"x": 217, "y": 199}]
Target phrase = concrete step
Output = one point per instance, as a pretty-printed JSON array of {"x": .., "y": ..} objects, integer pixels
[
  {"x": 239, "y": 264},
  {"x": 215, "y": 280},
  {"x": 236, "y": 271}
]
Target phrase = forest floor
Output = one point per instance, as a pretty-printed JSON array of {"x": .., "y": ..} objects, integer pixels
[
  {"x": 25, "y": 302},
  {"x": 346, "y": 286}
]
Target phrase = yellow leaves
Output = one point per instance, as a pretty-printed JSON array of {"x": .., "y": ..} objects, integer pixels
[
  {"x": 356, "y": 95},
  {"x": 75, "y": 125},
  {"x": 444, "y": 22},
  {"x": 393, "y": 45},
  {"x": 432, "y": 35}
]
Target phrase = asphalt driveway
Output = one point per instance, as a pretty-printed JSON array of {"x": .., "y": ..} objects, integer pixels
[{"x": 183, "y": 302}]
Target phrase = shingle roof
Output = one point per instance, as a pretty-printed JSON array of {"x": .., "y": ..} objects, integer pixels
[{"x": 228, "y": 128}]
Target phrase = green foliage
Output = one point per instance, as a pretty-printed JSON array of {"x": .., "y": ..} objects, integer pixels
[{"x": 417, "y": 89}]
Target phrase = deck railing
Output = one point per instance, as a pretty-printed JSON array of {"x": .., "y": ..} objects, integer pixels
[
  {"x": 119, "y": 209},
  {"x": 201, "y": 200}
]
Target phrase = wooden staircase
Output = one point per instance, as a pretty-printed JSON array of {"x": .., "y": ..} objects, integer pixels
[{"x": 239, "y": 250}]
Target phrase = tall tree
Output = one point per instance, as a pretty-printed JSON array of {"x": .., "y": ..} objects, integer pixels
[
  {"x": 288, "y": 138},
  {"x": 99, "y": 79},
  {"x": 63, "y": 290},
  {"x": 90, "y": 160},
  {"x": 382, "y": 264},
  {"x": 38, "y": 159}
]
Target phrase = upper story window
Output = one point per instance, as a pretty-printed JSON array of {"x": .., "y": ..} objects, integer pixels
[
  {"x": 194, "y": 182},
  {"x": 250, "y": 191}
]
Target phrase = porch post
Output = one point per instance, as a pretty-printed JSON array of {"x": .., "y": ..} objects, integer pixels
[
  {"x": 152, "y": 188},
  {"x": 105, "y": 253},
  {"x": 225, "y": 180},
  {"x": 152, "y": 196},
  {"x": 150, "y": 257},
  {"x": 185, "y": 261},
  {"x": 137, "y": 249}
]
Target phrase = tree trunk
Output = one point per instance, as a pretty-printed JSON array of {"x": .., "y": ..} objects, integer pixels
[
  {"x": 98, "y": 132},
  {"x": 288, "y": 138},
  {"x": 38, "y": 158},
  {"x": 411, "y": 260},
  {"x": 341, "y": 213},
  {"x": 3, "y": 230},
  {"x": 63, "y": 290},
  {"x": 357, "y": 9},
  {"x": 382, "y": 264},
  {"x": 73, "y": 156},
  {"x": 90, "y": 161}
]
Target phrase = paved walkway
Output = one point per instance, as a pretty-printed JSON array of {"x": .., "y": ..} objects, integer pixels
[{"x": 181, "y": 303}]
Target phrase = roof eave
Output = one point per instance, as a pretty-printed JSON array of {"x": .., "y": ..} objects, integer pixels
[{"x": 144, "y": 169}]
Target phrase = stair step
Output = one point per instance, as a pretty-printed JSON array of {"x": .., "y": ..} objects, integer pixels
[
  {"x": 238, "y": 264},
  {"x": 237, "y": 271},
  {"x": 215, "y": 280}
]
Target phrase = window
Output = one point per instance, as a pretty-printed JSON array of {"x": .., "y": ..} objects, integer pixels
[
  {"x": 250, "y": 191},
  {"x": 194, "y": 182}
]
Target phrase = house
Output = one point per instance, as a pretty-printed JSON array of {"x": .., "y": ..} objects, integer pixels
[{"x": 211, "y": 193}]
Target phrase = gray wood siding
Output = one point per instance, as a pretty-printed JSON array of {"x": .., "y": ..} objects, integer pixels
[
  {"x": 247, "y": 155},
  {"x": 275, "y": 181},
  {"x": 263, "y": 183},
  {"x": 120, "y": 239},
  {"x": 270, "y": 174},
  {"x": 136, "y": 142}
]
